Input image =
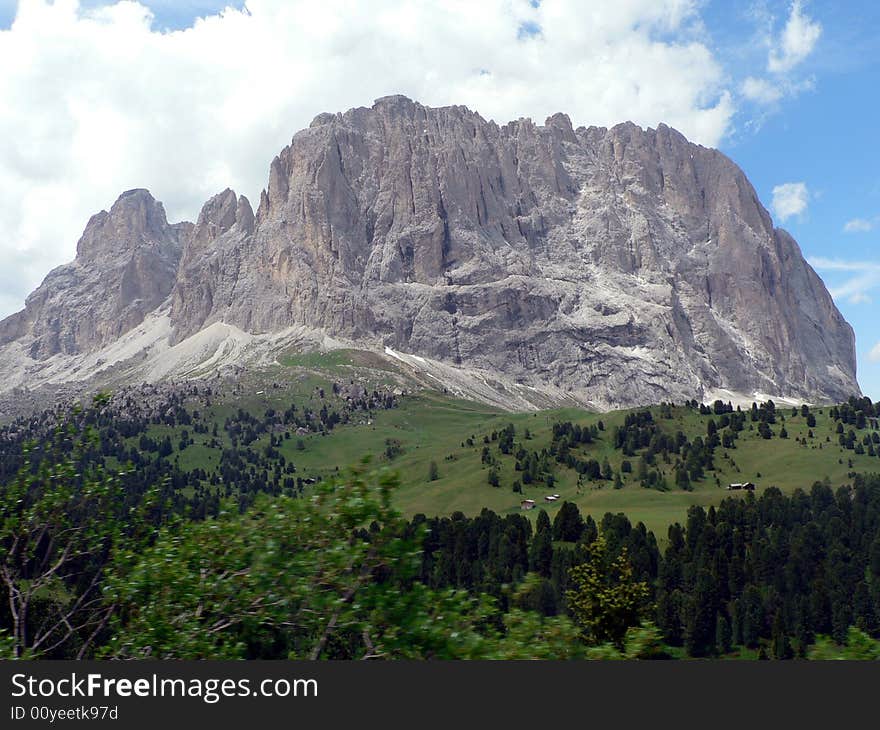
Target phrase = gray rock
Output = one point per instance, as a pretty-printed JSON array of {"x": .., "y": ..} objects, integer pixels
[
  {"x": 126, "y": 266},
  {"x": 211, "y": 260},
  {"x": 618, "y": 266},
  {"x": 624, "y": 265}
]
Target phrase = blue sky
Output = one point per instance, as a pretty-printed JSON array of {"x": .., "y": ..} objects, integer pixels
[
  {"x": 168, "y": 14},
  {"x": 827, "y": 138},
  {"x": 787, "y": 88}
]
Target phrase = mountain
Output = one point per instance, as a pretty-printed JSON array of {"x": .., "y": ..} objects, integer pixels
[
  {"x": 610, "y": 267},
  {"x": 126, "y": 265}
]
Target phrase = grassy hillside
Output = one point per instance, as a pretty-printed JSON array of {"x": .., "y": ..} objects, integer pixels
[
  {"x": 433, "y": 428},
  {"x": 426, "y": 427}
]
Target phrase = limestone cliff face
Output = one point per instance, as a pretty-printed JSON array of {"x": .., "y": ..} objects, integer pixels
[
  {"x": 210, "y": 266},
  {"x": 125, "y": 267},
  {"x": 621, "y": 266}
]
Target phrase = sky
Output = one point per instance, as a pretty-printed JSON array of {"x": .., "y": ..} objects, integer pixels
[{"x": 188, "y": 97}]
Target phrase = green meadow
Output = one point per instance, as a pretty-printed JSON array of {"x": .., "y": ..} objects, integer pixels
[{"x": 431, "y": 427}]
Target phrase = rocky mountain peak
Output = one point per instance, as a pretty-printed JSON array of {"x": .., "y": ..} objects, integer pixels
[
  {"x": 562, "y": 123},
  {"x": 125, "y": 267},
  {"x": 220, "y": 214},
  {"x": 434, "y": 231},
  {"x": 609, "y": 267},
  {"x": 135, "y": 219}
]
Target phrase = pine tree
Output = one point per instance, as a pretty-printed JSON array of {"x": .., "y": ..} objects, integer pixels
[
  {"x": 723, "y": 635},
  {"x": 701, "y": 624},
  {"x": 752, "y": 616},
  {"x": 779, "y": 639},
  {"x": 606, "y": 599},
  {"x": 642, "y": 473},
  {"x": 682, "y": 480},
  {"x": 568, "y": 524},
  {"x": 541, "y": 549}
]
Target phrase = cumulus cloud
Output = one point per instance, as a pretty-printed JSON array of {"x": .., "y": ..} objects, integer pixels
[
  {"x": 769, "y": 92},
  {"x": 790, "y": 199},
  {"x": 761, "y": 90},
  {"x": 859, "y": 225},
  {"x": 855, "y": 288},
  {"x": 798, "y": 39},
  {"x": 785, "y": 52},
  {"x": 98, "y": 100}
]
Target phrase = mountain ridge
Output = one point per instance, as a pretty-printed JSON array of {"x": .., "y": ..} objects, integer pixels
[{"x": 608, "y": 267}]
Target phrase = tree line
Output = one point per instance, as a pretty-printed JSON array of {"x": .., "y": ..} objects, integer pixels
[{"x": 95, "y": 565}]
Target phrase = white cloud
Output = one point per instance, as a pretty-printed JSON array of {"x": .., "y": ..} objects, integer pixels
[
  {"x": 821, "y": 262},
  {"x": 95, "y": 101},
  {"x": 790, "y": 199},
  {"x": 874, "y": 354},
  {"x": 769, "y": 92},
  {"x": 798, "y": 39},
  {"x": 854, "y": 289},
  {"x": 859, "y": 225},
  {"x": 761, "y": 91},
  {"x": 785, "y": 52}
]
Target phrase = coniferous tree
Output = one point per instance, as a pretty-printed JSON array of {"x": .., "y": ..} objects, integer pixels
[
  {"x": 723, "y": 635},
  {"x": 605, "y": 598},
  {"x": 568, "y": 524},
  {"x": 701, "y": 623},
  {"x": 779, "y": 639},
  {"x": 541, "y": 550}
]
